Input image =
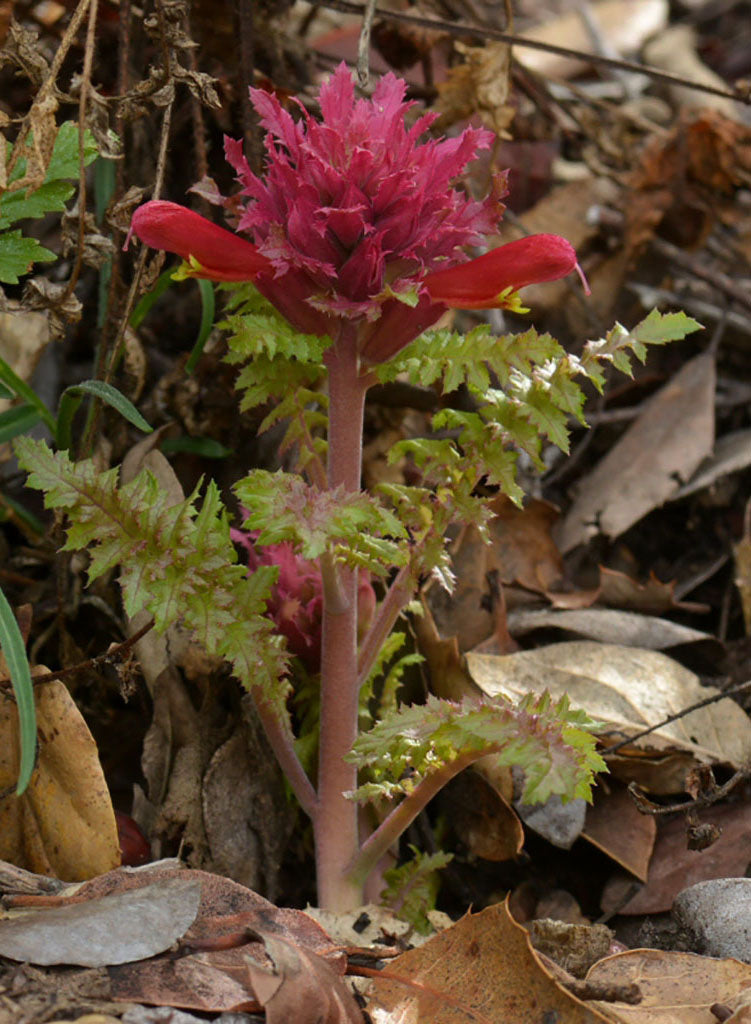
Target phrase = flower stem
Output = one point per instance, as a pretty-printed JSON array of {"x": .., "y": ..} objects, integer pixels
[
  {"x": 397, "y": 597},
  {"x": 402, "y": 816},
  {"x": 335, "y": 817},
  {"x": 280, "y": 739}
]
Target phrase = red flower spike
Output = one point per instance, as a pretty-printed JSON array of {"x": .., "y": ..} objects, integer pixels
[
  {"x": 491, "y": 280},
  {"x": 353, "y": 210},
  {"x": 212, "y": 252}
]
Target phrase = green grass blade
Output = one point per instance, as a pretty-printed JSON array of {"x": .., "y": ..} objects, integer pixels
[
  {"x": 19, "y": 387},
  {"x": 144, "y": 306},
  {"x": 13, "y": 648},
  {"x": 17, "y": 421},
  {"x": 208, "y": 309},
  {"x": 71, "y": 398}
]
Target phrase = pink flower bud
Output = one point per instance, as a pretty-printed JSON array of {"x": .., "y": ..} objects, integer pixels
[
  {"x": 492, "y": 280},
  {"x": 296, "y": 602},
  {"x": 212, "y": 252}
]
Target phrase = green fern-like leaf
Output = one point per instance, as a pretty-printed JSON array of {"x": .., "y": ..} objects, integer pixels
[
  {"x": 354, "y": 528},
  {"x": 412, "y": 888},
  {"x": 552, "y": 743},
  {"x": 176, "y": 560},
  {"x": 655, "y": 329}
]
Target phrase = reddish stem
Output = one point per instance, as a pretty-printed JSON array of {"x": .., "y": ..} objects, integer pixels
[
  {"x": 335, "y": 817},
  {"x": 402, "y": 816}
]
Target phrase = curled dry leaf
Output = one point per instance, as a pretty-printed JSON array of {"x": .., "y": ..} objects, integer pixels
[
  {"x": 608, "y": 626},
  {"x": 674, "y": 866},
  {"x": 301, "y": 987},
  {"x": 64, "y": 823}
]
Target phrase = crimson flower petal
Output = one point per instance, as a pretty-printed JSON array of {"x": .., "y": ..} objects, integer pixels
[
  {"x": 213, "y": 252},
  {"x": 486, "y": 282}
]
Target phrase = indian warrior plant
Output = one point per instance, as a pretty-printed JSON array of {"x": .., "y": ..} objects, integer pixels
[{"x": 345, "y": 254}]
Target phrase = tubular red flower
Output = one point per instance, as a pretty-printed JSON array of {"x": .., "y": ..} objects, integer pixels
[
  {"x": 491, "y": 280},
  {"x": 212, "y": 252}
]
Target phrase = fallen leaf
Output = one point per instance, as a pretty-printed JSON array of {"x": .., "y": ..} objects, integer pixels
[
  {"x": 625, "y": 24},
  {"x": 115, "y": 929},
  {"x": 618, "y": 590},
  {"x": 478, "y": 85},
  {"x": 673, "y": 867},
  {"x": 301, "y": 987},
  {"x": 732, "y": 453},
  {"x": 676, "y": 988},
  {"x": 628, "y": 689},
  {"x": 615, "y": 826},
  {"x": 483, "y": 970},
  {"x": 482, "y": 818},
  {"x": 608, "y": 626},
  {"x": 660, "y": 450},
  {"x": 64, "y": 824},
  {"x": 521, "y": 552},
  {"x": 683, "y": 178},
  {"x": 210, "y": 980}
]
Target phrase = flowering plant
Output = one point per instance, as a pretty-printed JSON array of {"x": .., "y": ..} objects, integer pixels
[{"x": 349, "y": 248}]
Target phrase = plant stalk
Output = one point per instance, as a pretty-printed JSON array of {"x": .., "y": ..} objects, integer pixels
[
  {"x": 402, "y": 816},
  {"x": 335, "y": 817}
]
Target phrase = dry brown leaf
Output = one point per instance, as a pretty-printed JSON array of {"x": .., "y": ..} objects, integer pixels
[
  {"x": 732, "y": 452},
  {"x": 482, "y": 817},
  {"x": 682, "y": 179},
  {"x": 64, "y": 824},
  {"x": 213, "y": 980},
  {"x": 483, "y": 970},
  {"x": 674, "y": 867},
  {"x": 624, "y": 24},
  {"x": 521, "y": 552},
  {"x": 628, "y": 689},
  {"x": 301, "y": 987},
  {"x": 618, "y": 590},
  {"x": 662, "y": 447},
  {"x": 615, "y": 826},
  {"x": 478, "y": 85},
  {"x": 677, "y": 988}
]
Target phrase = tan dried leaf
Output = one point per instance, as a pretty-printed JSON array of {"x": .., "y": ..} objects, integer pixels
[{"x": 64, "y": 824}]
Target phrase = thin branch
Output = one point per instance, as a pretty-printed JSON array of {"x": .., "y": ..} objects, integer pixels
[
  {"x": 363, "y": 45},
  {"x": 458, "y": 29},
  {"x": 88, "y": 59},
  {"x": 679, "y": 714},
  {"x": 92, "y": 664},
  {"x": 282, "y": 743},
  {"x": 397, "y": 597}
]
